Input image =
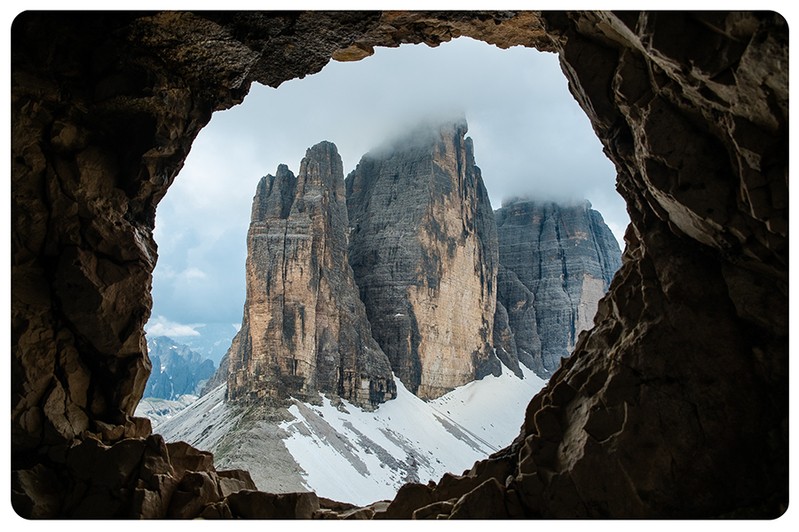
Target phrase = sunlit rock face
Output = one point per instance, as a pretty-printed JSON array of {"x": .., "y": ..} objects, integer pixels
[
  {"x": 423, "y": 250},
  {"x": 304, "y": 330},
  {"x": 675, "y": 404},
  {"x": 558, "y": 261}
]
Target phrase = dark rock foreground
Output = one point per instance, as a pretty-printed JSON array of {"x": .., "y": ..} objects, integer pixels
[{"x": 673, "y": 405}]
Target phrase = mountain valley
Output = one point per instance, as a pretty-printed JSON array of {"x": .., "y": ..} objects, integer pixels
[{"x": 395, "y": 326}]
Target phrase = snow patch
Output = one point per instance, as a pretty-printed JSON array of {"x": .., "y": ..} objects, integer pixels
[
  {"x": 357, "y": 456},
  {"x": 348, "y": 454}
]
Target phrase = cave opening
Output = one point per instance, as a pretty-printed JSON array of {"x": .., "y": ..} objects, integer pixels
[
  {"x": 531, "y": 141},
  {"x": 674, "y": 405}
]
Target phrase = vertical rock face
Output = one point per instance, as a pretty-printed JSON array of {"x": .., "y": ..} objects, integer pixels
[
  {"x": 558, "y": 262},
  {"x": 423, "y": 251},
  {"x": 520, "y": 316},
  {"x": 304, "y": 330},
  {"x": 504, "y": 339}
]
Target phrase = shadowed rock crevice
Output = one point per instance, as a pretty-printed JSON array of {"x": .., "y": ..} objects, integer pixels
[{"x": 675, "y": 403}]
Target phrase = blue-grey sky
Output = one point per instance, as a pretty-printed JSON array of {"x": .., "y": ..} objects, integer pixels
[{"x": 530, "y": 138}]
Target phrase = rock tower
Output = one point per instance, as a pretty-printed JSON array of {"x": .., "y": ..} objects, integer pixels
[{"x": 304, "y": 329}]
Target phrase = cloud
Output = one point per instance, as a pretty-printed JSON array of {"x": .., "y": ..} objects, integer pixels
[
  {"x": 160, "y": 326},
  {"x": 530, "y": 139},
  {"x": 192, "y": 274}
]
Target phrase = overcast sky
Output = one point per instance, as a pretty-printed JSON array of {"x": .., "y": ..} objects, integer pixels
[{"x": 530, "y": 138}]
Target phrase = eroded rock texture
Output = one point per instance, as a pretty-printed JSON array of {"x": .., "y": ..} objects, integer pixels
[
  {"x": 304, "y": 328},
  {"x": 423, "y": 250},
  {"x": 558, "y": 261},
  {"x": 118, "y": 476},
  {"x": 674, "y": 405}
]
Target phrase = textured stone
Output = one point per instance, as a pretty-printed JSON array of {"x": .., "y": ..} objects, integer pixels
[
  {"x": 134, "y": 477},
  {"x": 233, "y": 480},
  {"x": 304, "y": 328},
  {"x": 36, "y": 492},
  {"x": 504, "y": 339},
  {"x": 184, "y": 457},
  {"x": 409, "y": 498},
  {"x": 437, "y": 510},
  {"x": 195, "y": 490},
  {"x": 501, "y": 28},
  {"x": 486, "y": 501},
  {"x": 423, "y": 250},
  {"x": 692, "y": 338},
  {"x": 559, "y": 262},
  {"x": 358, "y": 513},
  {"x": 258, "y": 505},
  {"x": 521, "y": 319}
]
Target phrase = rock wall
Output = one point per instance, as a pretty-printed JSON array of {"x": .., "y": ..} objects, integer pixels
[
  {"x": 558, "y": 262},
  {"x": 304, "y": 330},
  {"x": 674, "y": 405},
  {"x": 423, "y": 251},
  {"x": 505, "y": 345}
]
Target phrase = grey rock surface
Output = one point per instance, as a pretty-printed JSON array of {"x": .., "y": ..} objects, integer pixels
[
  {"x": 423, "y": 251},
  {"x": 558, "y": 263},
  {"x": 505, "y": 341},
  {"x": 304, "y": 329}
]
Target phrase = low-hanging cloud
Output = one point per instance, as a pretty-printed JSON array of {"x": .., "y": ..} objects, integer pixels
[
  {"x": 161, "y": 326},
  {"x": 530, "y": 137}
]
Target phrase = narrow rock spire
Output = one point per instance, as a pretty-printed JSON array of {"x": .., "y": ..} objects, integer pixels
[{"x": 304, "y": 329}]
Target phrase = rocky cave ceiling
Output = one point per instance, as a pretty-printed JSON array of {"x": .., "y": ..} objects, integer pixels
[{"x": 674, "y": 405}]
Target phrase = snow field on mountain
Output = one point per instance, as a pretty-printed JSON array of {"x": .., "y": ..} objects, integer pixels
[
  {"x": 344, "y": 453},
  {"x": 357, "y": 456}
]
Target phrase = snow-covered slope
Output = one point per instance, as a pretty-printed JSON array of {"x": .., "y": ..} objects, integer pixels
[
  {"x": 203, "y": 423},
  {"x": 491, "y": 408},
  {"x": 356, "y": 456},
  {"x": 348, "y": 454}
]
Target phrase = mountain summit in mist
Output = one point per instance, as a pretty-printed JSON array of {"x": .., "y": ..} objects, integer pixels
[
  {"x": 405, "y": 269},
  {"x": 393, "y": 320},
  {"x": 556, "y": 263},
  {"x": 423, "y": 249}
]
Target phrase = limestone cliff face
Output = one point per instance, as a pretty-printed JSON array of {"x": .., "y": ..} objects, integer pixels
[
  {"x": 558, "y": 262},
  {"x": 304, "y": 330},
  {"x": 504, "y": 339},
  {"x": 423, "y": 250},
  {"x": 521, "y": 317}
]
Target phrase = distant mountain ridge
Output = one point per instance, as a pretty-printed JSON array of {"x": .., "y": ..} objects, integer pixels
[{"x": 177, "y": 370}]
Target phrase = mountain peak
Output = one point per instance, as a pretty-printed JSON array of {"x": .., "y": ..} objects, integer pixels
[
  {"x": 423, "y": 251},
  {"x": 304, "y": 328},
  {"x": 420, "y": 135}
]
